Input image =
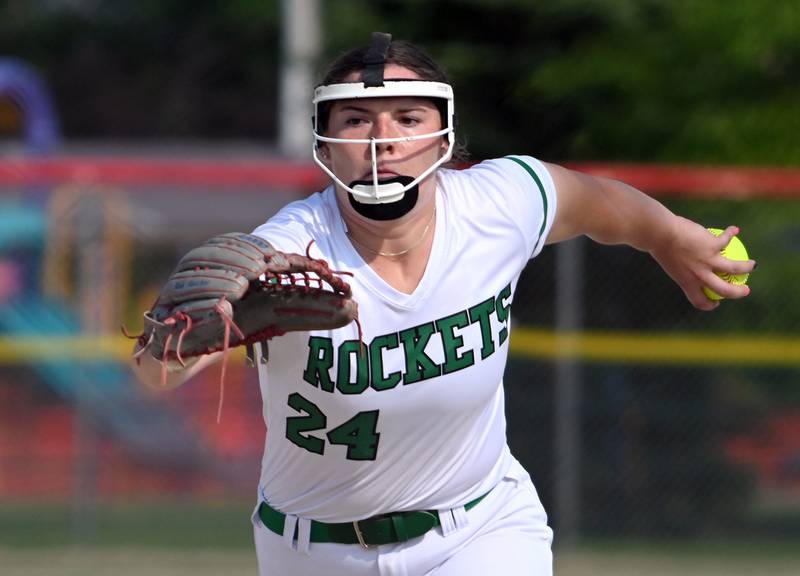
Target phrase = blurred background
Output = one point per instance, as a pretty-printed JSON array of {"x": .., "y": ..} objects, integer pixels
[{"x": 662, "y": 440}]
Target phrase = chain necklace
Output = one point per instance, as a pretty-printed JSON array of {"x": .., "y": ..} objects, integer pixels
[{"x": 401, "y": 252}]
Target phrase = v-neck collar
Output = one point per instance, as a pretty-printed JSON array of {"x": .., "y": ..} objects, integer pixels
[{"x": 373, "y": 281}]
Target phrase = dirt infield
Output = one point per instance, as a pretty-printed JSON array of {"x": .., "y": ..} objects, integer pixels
[{"x": 155, "y": 562}]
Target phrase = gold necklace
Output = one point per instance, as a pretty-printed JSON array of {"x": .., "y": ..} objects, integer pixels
[{"x": 402, "y": 252}]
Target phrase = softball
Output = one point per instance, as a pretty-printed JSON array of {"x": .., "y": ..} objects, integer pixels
[{"x": 735, "y": 250}]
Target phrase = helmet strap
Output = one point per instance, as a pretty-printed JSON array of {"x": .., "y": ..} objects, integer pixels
[{"x": 375, "y": 59}]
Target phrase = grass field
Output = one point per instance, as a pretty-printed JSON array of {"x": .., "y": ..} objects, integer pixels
[
  {"x": 80, "y": 561},
  {"x": 170, "y": 539},
  {"x": 169, "y": 524}
]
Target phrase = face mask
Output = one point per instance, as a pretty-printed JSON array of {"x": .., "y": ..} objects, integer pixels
[{"x": 365, "y": 194}]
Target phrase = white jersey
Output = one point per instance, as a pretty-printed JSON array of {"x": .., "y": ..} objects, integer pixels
[{"x": 416, "y": 422}]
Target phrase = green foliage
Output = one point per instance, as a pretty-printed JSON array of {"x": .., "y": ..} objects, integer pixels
[
  {"x": 651, "y": 80},
  {"x": 683, "y": 81},
  {"x": 655, "y": 80}
]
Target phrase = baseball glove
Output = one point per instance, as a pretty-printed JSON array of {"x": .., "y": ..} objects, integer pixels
[{"x": 235, "y": 290}]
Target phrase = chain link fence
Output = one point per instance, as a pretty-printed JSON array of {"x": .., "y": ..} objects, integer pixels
[{"x": 679, "y": 423}]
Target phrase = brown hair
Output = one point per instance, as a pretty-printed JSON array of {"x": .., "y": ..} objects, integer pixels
[{"x": 401, "y": 53}]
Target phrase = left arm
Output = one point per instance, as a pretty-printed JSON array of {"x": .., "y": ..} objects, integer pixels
[{"x": 612, "y": 212}]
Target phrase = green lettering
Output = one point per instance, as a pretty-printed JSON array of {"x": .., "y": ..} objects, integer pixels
[
  {"x": 347, "y": 350},
  {"x": 320, "y": 362},
  {"x": 482, "y": 314},
  {"x": 314, "y": 419},
  {"x": 379, "y": 381},
  {"x": 419, "y": 366},
  {"x": 359, "y": 434},
  {"x": 451, "y": 342},
  {"x": 503, "y": 311}
]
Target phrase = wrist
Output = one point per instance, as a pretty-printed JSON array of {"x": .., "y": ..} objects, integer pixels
[{"x": 666, "y": 234}]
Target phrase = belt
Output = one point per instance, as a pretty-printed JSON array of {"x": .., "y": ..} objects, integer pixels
[{"x": 375, "y": 531}]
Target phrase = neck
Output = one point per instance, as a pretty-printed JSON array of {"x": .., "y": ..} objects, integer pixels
[{"x": 394, "y": 240}]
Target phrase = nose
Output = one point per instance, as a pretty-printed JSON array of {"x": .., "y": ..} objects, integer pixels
[{"x": 383, "y": 128}]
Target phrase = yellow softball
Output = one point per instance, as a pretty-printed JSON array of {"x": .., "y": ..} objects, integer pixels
[{"x": 735, "y": 250}]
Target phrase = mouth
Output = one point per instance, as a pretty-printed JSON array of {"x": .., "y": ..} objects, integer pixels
[{"x": 383, "y": 174}]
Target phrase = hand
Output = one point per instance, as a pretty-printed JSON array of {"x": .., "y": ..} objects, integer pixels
[{"x": 691, "y": 257}]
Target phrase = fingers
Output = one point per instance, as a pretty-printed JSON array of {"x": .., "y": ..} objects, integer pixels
[
  {"x": 725, "y": 265},
  {"x": 724, "y": 268},
  {"x": 696, "y": 263},
  {"x": 726, "y": 236},
  {"x": 724, "y": 288},
  {"x": 698, "y": 299},
  {"x": 693, "y": 289},
  {"x": 740, "y": 266}
]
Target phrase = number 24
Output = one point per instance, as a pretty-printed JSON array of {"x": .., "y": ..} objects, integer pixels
[{"x": 358, "y": 434}]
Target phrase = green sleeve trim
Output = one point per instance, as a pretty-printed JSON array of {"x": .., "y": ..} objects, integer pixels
[{"x": 536, "y": 179}]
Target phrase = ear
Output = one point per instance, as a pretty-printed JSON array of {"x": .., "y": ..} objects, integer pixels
[{"x": 324, "y": 154}]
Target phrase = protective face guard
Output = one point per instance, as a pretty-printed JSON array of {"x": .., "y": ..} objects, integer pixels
[{"x": 377, "y": 193}]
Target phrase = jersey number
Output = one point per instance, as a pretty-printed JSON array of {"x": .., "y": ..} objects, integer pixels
[{"x": 358, "y": 434}]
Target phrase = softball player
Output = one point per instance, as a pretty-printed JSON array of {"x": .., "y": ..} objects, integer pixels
[{"x": 386, "y": 453}]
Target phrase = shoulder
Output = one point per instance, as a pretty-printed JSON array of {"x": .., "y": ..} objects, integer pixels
[
  {"x": 514, "y": 192},
  {"x": 517, "y": 170},
  {"x": 511, "y": 179},
  {"x": 309, "y": 209},
  {"x": 299, "y": 222}
]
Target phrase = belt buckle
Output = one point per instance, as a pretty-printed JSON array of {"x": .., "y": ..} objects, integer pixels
[{"x": 360, "y": 537}]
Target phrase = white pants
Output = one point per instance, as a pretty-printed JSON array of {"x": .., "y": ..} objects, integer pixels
[{"x": 505, "y": 533}]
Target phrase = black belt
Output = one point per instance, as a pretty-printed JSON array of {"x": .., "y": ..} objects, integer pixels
[{"x": 375, "y": 531}]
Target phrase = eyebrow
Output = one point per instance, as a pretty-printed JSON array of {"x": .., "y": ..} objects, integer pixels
[{"x": 355, "y": 108}]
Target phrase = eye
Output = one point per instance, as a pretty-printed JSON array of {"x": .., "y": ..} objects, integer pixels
[
  {"x": 410, "y": 121},
  {"x": 354, "y": 121}
]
